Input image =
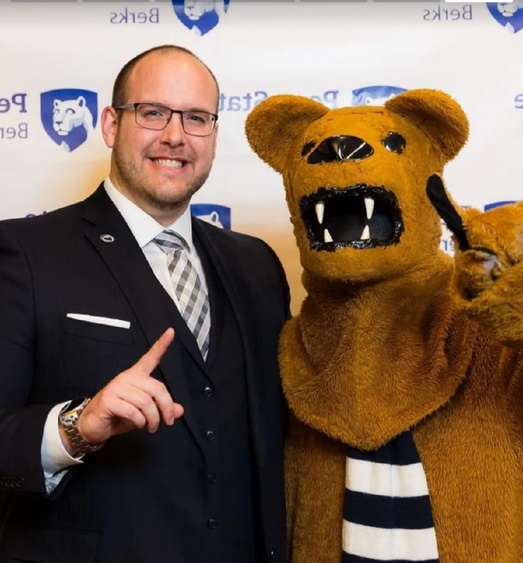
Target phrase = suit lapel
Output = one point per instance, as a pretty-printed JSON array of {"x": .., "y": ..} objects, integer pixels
[
  {"x": 108, "y": 232},
  {"x": 225, "y": 262}
]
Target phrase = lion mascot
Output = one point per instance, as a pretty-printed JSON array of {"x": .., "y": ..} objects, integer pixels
[{"x": 403, "y": 370}]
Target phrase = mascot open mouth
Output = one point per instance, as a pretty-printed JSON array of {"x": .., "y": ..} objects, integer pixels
[{"x": 358, "y": 216}]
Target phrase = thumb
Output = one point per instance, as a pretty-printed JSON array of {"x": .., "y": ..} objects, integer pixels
[{"x": 440, "y": 200}]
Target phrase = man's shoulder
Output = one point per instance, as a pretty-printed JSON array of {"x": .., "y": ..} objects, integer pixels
[{"x": 54, "y": 230}]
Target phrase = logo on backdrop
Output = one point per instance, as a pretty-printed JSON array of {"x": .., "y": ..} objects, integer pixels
[
  {"x": 200, "y": 15},
  {"x": 69, "y": 116},
  {"x": 217, "y": 215},
  {"x": 374, "y": 95},
  {"x": 497, "y": 204},
  {"x": 508, "y": 14},
  {"x": 446, "y": 242}
]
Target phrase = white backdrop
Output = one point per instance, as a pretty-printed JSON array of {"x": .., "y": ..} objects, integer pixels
[{"x": 259, "y": 48}]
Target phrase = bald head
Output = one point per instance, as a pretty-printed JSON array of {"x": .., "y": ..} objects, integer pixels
[{"x": 149, "y": 58}]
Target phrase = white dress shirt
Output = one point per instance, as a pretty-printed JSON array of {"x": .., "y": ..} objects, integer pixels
[{"x": 55, "y": 459}]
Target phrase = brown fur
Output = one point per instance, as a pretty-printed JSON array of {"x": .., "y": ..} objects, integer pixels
[{"x": 401, "y": 336}]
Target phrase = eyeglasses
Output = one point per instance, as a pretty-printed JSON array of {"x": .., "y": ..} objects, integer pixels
[{"x": 157, "y": 117}]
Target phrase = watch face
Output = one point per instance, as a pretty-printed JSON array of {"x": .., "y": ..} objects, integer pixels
[{"x": 74, "y": 404}]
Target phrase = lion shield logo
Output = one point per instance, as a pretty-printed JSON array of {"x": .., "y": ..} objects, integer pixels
[
  {"x": 200, "y": 15},
  {"x": 374, "y": 95},
  {"x": 69, "y": 116},
  {"x": 217, "y": 215},
  {"x": 508, "y": 14}
]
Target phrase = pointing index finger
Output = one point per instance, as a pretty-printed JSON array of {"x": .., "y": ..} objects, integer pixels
[{"x": 150, "y": 360}]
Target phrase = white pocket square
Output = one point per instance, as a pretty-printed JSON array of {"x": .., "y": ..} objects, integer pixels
[{"x": 99, "y": 320}]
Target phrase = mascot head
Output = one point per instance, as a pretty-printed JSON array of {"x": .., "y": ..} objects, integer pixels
[{"x": 355, "y": 179}]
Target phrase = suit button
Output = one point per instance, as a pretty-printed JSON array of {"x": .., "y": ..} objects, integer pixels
[
  {"x": 207, "y": 391},
  {"x": 271, "y": 555},
  {"x": 211, "y": 478},
  {"x": 210, "y": 435},
  {"x": 212, "y": 523}
]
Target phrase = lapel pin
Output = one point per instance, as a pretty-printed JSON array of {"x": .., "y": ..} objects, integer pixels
[{"x": 107, "y": 238}]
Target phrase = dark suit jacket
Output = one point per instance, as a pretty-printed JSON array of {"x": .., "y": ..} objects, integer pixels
[{"x": 135, "y": 499}]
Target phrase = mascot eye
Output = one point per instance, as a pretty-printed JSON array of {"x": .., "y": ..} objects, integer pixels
[{"x": 394, "y": 142}]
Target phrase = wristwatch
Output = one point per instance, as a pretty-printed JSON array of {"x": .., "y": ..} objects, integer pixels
[{"x": 68, "y": 420}]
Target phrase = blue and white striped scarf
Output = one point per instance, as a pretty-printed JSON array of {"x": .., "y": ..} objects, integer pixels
[{"x": 387, "y": 515}]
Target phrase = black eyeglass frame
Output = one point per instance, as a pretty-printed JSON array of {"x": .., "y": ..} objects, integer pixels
[{"x": 181, "y": 113}]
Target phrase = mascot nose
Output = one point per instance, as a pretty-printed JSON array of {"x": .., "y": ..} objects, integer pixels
[{"x": 340, "y": 148}]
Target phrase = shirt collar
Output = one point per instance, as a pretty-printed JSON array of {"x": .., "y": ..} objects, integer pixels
[{"x": 142, "y": 225}]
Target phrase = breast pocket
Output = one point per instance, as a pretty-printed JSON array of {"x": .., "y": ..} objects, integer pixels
[{"x": 97, "y": 330}]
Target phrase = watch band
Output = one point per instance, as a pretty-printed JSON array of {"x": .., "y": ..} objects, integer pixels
[{"x": 69, "y": 422}]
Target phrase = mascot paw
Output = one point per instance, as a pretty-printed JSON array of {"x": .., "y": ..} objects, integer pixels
[
  {"x": 488, "y": 271},
  {"x": 487, "y": 244}
]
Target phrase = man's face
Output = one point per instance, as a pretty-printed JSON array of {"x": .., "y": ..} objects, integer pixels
[
  {"x": 161, "y": 170},
  {"x": 194, "y": 9}
]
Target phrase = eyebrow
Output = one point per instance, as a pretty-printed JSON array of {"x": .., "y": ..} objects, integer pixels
[{"x": 190, "y": 109}]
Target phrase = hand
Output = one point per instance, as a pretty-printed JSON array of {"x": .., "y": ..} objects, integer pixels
[
  {"x": 488, "y": 264},
  {"x": 487, "y": 244},
  {"x": 133, "y": 399}
]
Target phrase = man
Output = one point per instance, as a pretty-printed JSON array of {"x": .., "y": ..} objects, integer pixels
[{"x": 177, "y": 456}]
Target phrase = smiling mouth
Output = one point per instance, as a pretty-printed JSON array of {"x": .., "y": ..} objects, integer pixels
[
  {"x": 358, "y": 216},
  {"x": 169, "y": 163}
]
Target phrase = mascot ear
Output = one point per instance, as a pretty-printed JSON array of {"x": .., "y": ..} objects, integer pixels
[
  {"x": 275, "y": 124},
  {"x": 437, "y": 115}
]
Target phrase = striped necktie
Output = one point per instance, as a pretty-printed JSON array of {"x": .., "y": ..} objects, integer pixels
[
  {"x": 191, "y": 295},
  {"x": 387, "y": 515}
]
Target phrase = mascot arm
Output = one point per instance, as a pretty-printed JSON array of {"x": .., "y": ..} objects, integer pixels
[{"x": 488, "y": 271}]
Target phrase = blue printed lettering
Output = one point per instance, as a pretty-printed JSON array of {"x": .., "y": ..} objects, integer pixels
[
  {"x": 18, "y": 100},
  {"x": 260, "y": 96},
  {"x": 19, "y": 132},
  {"x": 241, "y": 103},
  {"x": 330, "y": 98},
  {"x": 445, "y": 14},
  {"x": 126, "y": 16}
]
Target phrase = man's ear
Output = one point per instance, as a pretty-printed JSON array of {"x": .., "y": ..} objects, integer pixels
[
  {"x": 273, "y": 126},
  {"x": 109, "y": 125},
  {"x": 437, "y": 115}
]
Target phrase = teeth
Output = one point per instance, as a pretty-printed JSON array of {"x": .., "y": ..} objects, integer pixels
[
  {"x": 327, "y": 236},
  {"x": 365, "y": 235},
  {"x": 369, "y": 206},
  {"x": 320, "y": 210},
  {"x": 169, "y": 163}
]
